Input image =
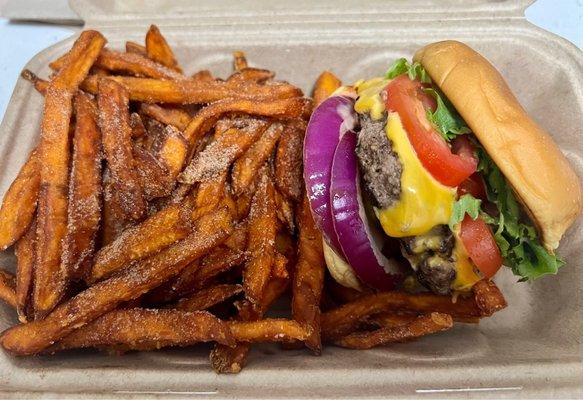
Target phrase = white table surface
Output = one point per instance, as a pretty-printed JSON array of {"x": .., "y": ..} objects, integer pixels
[{"x": 19, "y": 42}]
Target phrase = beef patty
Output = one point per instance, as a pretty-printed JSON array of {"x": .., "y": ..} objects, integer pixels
[{"x": 380, "y": 166}]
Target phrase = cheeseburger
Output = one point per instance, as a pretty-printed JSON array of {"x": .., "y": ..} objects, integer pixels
[{"x": 438, "y": 160}]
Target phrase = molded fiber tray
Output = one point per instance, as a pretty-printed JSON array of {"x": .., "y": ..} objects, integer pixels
[{"x": 533, "y": 348}]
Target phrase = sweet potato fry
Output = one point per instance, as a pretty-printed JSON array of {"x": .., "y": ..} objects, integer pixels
[
  {"x": 84, "y": 209},
  {"x": 158, "y": 49},
  {"x": 218, "y": 156},
  {"x": 113, "y": 222},
  {"x": 285, "y": 212},
  {"x": 251, "y": 75},
  {"x": 246, "y": 167},
  {"x": 198, "y": 91},
  {"x": 135, "y": 64},
  {"x": 342, "y": 320},
  {"x": 144, "y": 329},
  {"x": 231, "y": 360},
  {"x": 202, "y": 272},
  {"x": 261, "y": 241},
  {"x": 391, "y": 319},
  {"x": 173, "y": 151},
  {"x": 152, "y": 174},
  {"x": 289, "y": 161},
  {"x": 25, "y": 251},
  {"x": 420, "y": 326},
  {"x": 115, "y": 127},
  {"x": 135, "y": 48},
  {"x": 208, "y": 116},
  {"x": 166, "y": 115},
  {"x": 49, "y": 278},
  {"x": 325, "y": 85},
  {"x": 7, "y": 288},
  {"x": 203, "y": 75},
  {"x": 150, "y": 236},
  {"x": 206, "y": 298},
  {"x": 267, "y": 330},
  {"x": 239, "y": 61},
  {"x": 137, "y": 125},
  {"x": 488, "y": 297},
  {"x": 131, "y": 63},
  {"x": 19, "y": 204},
  {"x": 39, "y": 84},
  {"x": 309, "y": 277},
  {"x": 133, "y": 282}
]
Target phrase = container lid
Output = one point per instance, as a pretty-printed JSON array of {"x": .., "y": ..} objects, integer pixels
[{"x": 229, "y": 13}]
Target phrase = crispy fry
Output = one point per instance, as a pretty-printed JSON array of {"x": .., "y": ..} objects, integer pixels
[
  {"x": 246, "y": 167},
  {"x": 309, "y": 277},
  {"x": 152, "y": 174},
  {"x": 420, "y": 326},
  {"x": 132, "y": 63},
  {"x": 84, "y": 209},
  {"x": 49, "y": 278},
  {"x": 158, "y": 49},
  {"x": 285, "y": 213},
  {"x": 202, "y": 272},
  {"x": 113, "y": 222},
  {"x": 261, "y": 241},
  {"x": 152, "y": 235},
  {"x": 135, "y": 64},
  {"x": 203, "y": 75},
  {"x": 135, "y": 48},
  {"x": 231, "y": 360},
  {"x": 267, "y": 330},
  {"x": 488, "y": 297},
  {"x": 217, "y": 157},
  {"x": 391, "y": 319},
  {"x": 19, "y": 204},
  {"x": 39, "y": 84},
  {"x": 208, "y": 116},
  {"x": 342, "y": 320},
  {"x": 206, "y": 298},
  {"x": 251, "y": 75},
  {"x": 155, "y": 134},
  {"x": 115, "y": 127},
  {"x": 130, "y": 284},
  {"x": 144, "y": 329},
  {"x": 166, "y": 115},
  {"x": 172, "y": 152},
  {"x": 239, "y": 61},
  {"x": 137, "y": 125},
  {"x": 7, "y": 288},
  {"x": 325, "y": 85},
  {"x": 25, "y": 251},
  {"x": 198, "y": 91},
  {"x": 288, "y": 161}
]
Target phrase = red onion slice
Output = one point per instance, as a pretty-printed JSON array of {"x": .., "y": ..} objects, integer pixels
[
  {"x": 333, "y": 117},
  {"x": 359, "y": 240}
]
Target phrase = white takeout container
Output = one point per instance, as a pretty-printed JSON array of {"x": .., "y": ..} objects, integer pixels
[{"x": 532, "y": 348}]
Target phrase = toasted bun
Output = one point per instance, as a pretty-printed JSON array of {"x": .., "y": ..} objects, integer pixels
[{"x": 539, "y": 173}]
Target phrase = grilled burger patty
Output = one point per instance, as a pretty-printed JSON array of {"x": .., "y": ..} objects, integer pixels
[{"x": 430, "y": 254}]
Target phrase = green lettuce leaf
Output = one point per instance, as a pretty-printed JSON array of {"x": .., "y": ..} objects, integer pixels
[
  {"x": 447, "y": 121},
  {"x": 467, "y": 204},
  {"x": 414, "y": 71},
  {"x": 518, "y": 240}
]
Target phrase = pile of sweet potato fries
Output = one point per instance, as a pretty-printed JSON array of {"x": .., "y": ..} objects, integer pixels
[{"x": 163, "y": 209}]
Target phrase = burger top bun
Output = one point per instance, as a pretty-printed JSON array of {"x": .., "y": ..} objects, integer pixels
[{"x": 538, "y": 172}]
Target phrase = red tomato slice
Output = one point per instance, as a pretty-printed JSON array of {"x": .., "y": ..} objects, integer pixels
[
  {"x": 479, "y": 242},
  {"x": 407, "y": 98}
]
